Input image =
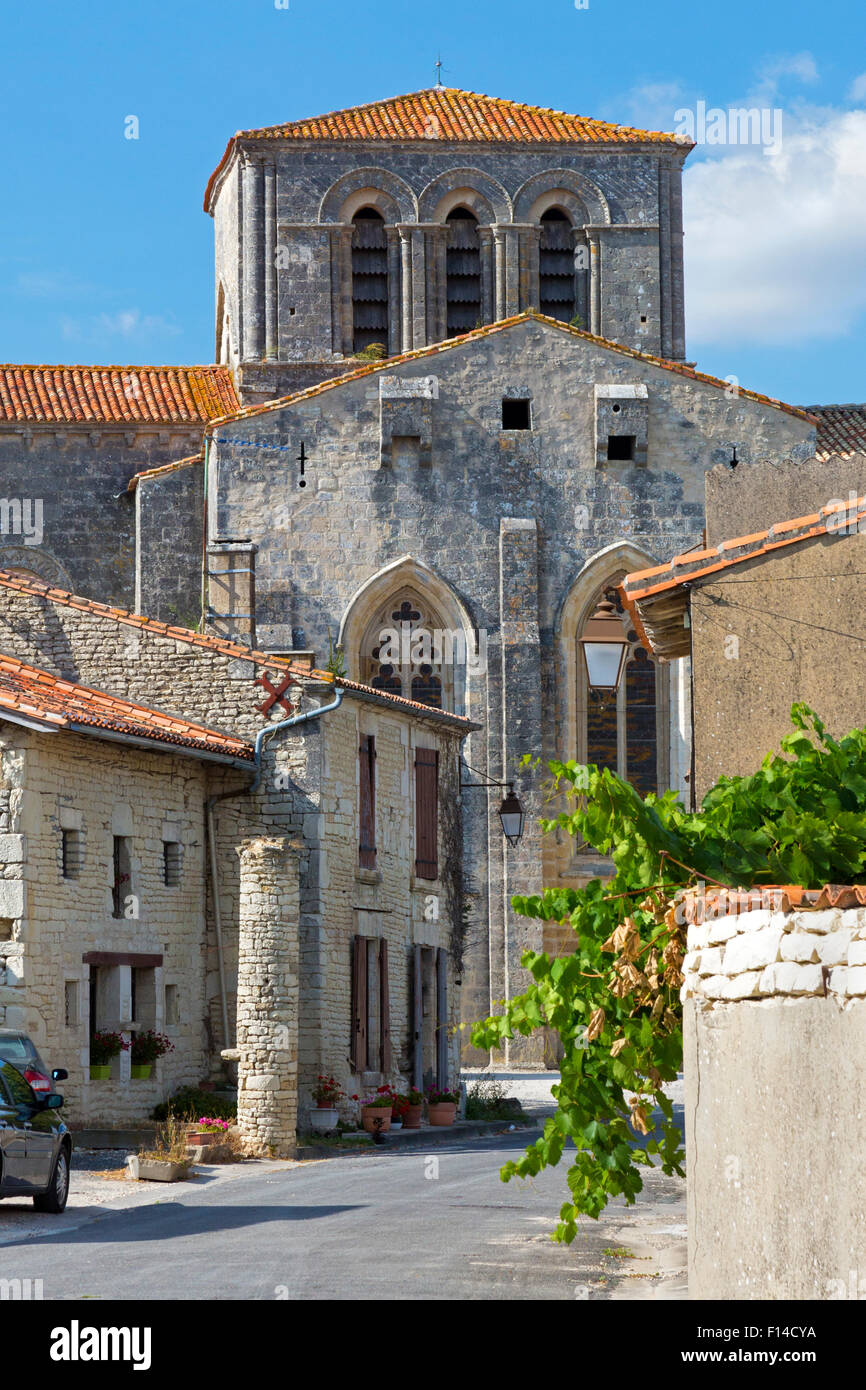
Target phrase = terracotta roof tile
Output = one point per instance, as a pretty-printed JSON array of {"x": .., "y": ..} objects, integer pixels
[
  {"x": 841, "y": 430},
  {"x": 388, "y": 364},
  {"x": 28, "y": 690},
  {"x": 454, "y": 115},
  {"x": 163, "y": 468},
  {"x": 125, "y": 395}
]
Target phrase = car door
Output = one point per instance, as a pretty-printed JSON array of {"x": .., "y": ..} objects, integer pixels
[
  {"x": 13, "y": 1141},
  {"x": 38, "y": 1127}
]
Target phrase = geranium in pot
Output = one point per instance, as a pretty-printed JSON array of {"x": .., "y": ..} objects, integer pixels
[
  {"x": 399, "y": 1107},
  {"x": 414, "y": 1109},
  {"x": 146, "y": 1049},
  {"x": 376, "y": 1113},
  {"x": 327, "y": 1093},
  {"x": 441, "y": 1105},
  {"x": 206, "y": 1130},
  {"x": 104, "y": 1047}
]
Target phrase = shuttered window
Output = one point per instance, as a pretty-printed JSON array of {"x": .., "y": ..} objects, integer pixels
[
  {"x": 369, "y": 281},
  {"x": 370, "y": 1041},
  {"x": 358, "y": 1041},
  {"x": 463, "y": 273},
  {"x": 556, "y": 266},
  {"x": 367, "y": 768},
  {"x": 427, "y": 813}
]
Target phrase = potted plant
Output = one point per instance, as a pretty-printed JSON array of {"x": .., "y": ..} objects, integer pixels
[
  {"x": 206, "y": 1130},
  {"x": 167, "y": 1161},
  {"x": 147, "y": 1047},
  {"x": 441, "y": 1105},
  {"x": 376, "y": 1112},
  {"x": 327, "y": 1093},
  {"x": 104, "y": 1047},
  {"x": 414, "y": 1109},
  {"x": 399, "y": 1107}
]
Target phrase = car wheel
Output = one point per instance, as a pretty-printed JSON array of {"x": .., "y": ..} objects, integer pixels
[{"x": 54, "y": 1200}]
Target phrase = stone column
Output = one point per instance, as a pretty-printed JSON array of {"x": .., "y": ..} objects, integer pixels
[
  {"x": 268, "y": 995},
  {"x": 419, "y": 288},
  {"x": 522, "y": 722},
  {"x": 346, "y": 291},
  {"x": 271, "y": 352},
  {"x": 501, "y": 272},
  {"x": 530, "y": 275},
  {"x": 665, "y": 259},
  {"x": 406, "y": 287},
  {"x": 581, "y": 276},
  {"x": 437, "y": 279},
  {"x": 678, "y": 311},
  {"x": 252, "y": 185},
  {"x": 488, "y": 298},
  {"x": 595, "y": 325},
  {"x": 394, "y": 316}
]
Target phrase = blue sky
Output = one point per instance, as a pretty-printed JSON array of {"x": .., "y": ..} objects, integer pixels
[{"x": 106, "y": 255}]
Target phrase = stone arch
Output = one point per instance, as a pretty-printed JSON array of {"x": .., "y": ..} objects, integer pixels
[
  {"x": 606, "y": 567},
  {"x": 577, "y": 196},
  {"x": 469, "y": 188},
  {"x": 375, "y": 188},
  {"x": 410, "y": 575},
  {"x": 31, "y": 562}
]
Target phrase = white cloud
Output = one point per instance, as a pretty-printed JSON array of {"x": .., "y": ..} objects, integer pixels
[
  {"x": 857, "y": 90},
  {"x": 129, "y": 324},
  {"x": 775, "y": 246},
  {"x": 801, "y": 66}
]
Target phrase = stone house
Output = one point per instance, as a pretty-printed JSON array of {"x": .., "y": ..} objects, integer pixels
[
  {"x": 335, "y": 934},
  {"x": 768, "y": 617}
]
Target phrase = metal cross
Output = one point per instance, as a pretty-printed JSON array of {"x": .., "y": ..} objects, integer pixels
[
  {"x": 275, "y": 695},
  {"x": 302, "y": 460}
]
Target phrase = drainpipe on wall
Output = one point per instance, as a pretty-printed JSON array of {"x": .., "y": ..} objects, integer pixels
[{"x": 262, "y": 737}]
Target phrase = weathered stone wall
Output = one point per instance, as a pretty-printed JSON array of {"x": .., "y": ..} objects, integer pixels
[
  {"x": 169, "y": 536},
  {"x": 775, "y": 1030},
  {"x": 70, "y": 781},
  {"x": 767, "y": 491},
  {"x": 81, "y": 476}
]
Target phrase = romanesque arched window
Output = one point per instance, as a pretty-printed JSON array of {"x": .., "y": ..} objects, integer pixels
[
  {"x": 369, "y": 280},
  {"x": 463, "y": 272},
  {"x": 556, "y": 266},
  {"x": 407, "y": 651},
  {"x": 622, "y": 732}
]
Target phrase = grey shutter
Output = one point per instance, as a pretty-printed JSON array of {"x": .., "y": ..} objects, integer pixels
[
  {"x": 358, "y": 1043},
  {"x": 384, "y": 1010},
  {"x": 442, "y": 1018},
  {"x": 417, "y": 1021}
]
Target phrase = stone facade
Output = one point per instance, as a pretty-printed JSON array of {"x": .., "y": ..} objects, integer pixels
[{"x": 774, "y": 1152}]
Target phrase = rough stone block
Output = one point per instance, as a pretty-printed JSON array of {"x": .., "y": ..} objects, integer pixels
[
  {"x": 744, "y": 986},
  {"x": 787, "y": 977},
  {"x": 800, "y": 947},
  {"x": 753, "y": 951},
  {"x": 833, "y": 949},
  {"x": 722, "y": 930},
  {"x": 825, "y": 921},
  {"x": 710, "y": 962}
]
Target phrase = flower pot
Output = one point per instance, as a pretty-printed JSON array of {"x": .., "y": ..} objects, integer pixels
[
  {"x": 140, "y": 1071},
  {"x": 156, "y": 1169},
  {"x": 197, "y": 1137},
  {"x": 323, "y": 1119},
  {"x": 375, "y": 1119},
  {"x": 100, "y": 1073},
  {"x": 442, "y": 1114},
  {"x": 412, "y": 1117},
  {"x": 396, "y": 1124}
]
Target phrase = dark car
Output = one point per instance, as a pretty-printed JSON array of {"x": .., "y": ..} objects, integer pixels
[
  {"x": 20, "y": 1050},
  {"x": 35, "y": 1145}
]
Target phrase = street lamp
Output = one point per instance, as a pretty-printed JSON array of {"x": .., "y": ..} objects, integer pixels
[
  {"x": 604, "y": 646},
  {"x": 511, "y": 813}
]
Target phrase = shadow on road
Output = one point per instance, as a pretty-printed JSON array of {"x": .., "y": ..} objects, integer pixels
[{"x": 176, "y": 1220}]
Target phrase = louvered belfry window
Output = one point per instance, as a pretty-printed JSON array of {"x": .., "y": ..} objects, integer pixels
[
  {"x": 556, "y": 266},
  {"x": 427, "y": 813},
  {"x": 369, "y": 280},
  {"x": 463, "y": 273},
  {"x": 367, "y": 769}
]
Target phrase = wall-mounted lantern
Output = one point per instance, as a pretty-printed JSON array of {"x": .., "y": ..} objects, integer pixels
[
  {"x": 605, "y": 647},
  {"x": 512, "y": 816}
]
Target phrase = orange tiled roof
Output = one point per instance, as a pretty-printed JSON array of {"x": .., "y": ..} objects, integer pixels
[
  {"x": 36, "y": 589},
  {"x": 127, "y": 395},
  {"x": 656, "y": 597},
  {"x": 453, "y": 115},
  {"x": 163, "y": 468},
  {"x": 29, "y": 691},
  {"x": 388, "y": 364},
  {"x": 841, "y": 430}
]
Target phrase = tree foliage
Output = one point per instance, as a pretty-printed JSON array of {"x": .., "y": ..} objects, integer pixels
[{"x": 614, "y": 1002}]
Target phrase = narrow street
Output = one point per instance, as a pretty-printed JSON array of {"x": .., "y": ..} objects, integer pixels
[{"x": 410, "y": 1225}]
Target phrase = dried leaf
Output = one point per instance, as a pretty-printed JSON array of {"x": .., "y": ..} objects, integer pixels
[
  {"x": 639, "y": 1119},
  {"x": 618, "y": 1046},
  {"x": 595, "y": 1025}
]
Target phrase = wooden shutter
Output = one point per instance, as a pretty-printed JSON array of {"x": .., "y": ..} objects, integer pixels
[
  {"x": 384, "y": 1010},
  {"x": 441, "y": 1018},
  {"x": 417, "y": 1021},
  {"x": 367, "y": 763},
  {"x": 427, "y": 813},
  {"x": 358, "y": 1049}
]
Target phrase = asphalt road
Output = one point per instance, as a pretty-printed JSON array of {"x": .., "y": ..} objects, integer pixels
[{"x": 380, "y": 1226}]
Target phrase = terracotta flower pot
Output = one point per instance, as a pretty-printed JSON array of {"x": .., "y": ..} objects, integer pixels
[
  {"x": 198, "y": 1137},
  {"x": 375, "y": 1118},
  {"x": 412, "y": 1117},
  {"x": 442, "y": 1114}
]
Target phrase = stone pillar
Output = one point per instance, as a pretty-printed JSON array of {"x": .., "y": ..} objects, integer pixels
[
  {"x": 346, "y": 287},
  {"x": 406, "y": 287},
  {"x": 419, "y": 288},
  {"x": 512, "y": 271},
  {"x": 488, "y": 297},
  {"x": 581, "y": 276},
  {"x": 522, "y": 721},
  {"x": 268, "y": 995},
  {"x": 271, "y": 346},
  {"x": 665, "y": 259},
  {"x": 501, "y": 272},
  {"x": 595, "y": 325},
  {"x": 678, "y": 310},
  {"x": 530, "y": 268},
  {"x": 394, "y": 316},
  {"x": 437, "y": 279},
  {"x": 252, "y": 184}
]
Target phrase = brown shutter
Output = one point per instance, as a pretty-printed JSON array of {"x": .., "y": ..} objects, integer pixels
[
  {"x": 427, "y": 813},
  {"x": 367, "y": 763},
  {"x": 384, "y": 1010},
  {"x": 417, "y": 1021},
  {"x": 358, "y": 1051},
  {"x": 441, "y": 1018}
]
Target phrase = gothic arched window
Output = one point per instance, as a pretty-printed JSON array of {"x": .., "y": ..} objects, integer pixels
[
  {"x": 556, "y": 266},
  {"x": 463, "y": 273},
  {"x": 369, "y": 280},
  {"x": 407, "y": 651},
  {"x": 621, "y": 730}
]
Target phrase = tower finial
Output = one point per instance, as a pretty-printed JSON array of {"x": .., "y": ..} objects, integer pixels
[{"x": 438, "y": 66}]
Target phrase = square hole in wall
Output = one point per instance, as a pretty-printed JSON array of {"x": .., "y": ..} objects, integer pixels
[
  {"x": 70, "y": 853},
  {"x": 171, "y": 1010},
  {"x": 516, "y": 414},
  {"x": 620, "y": 447},
  {"x": 172, "y": 858},
  {"x": 71, "y": 1003}
]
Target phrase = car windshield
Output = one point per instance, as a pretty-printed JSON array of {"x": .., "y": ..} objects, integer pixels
[{"x": 15, "y": 1049}]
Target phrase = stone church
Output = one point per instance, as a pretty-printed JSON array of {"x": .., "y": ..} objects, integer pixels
[{"x": 451, "y": 397}]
